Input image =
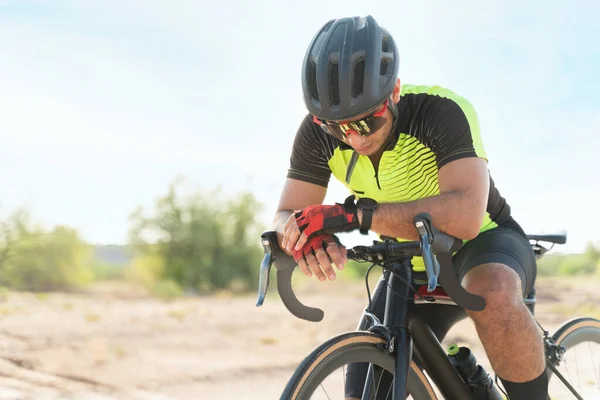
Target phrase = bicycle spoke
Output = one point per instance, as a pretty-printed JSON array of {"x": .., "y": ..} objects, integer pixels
[
  {"x": 577, "y": 369},
  {"x": 596, "y": 372},
  {"x": 329, "y": 398},
  {"x": 567, "y": 364},
  {"x": 565, "y": 382},
  {"x": 367, "y": 389},
  {"x": 378, "y": 383},
  {"x": 390, "y": 390},
  {"x": 586, "y": 367}
]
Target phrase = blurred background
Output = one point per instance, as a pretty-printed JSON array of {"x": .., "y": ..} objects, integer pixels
[{"x": 143, "y": 147}]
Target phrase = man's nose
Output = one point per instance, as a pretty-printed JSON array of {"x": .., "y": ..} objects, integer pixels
[{"x": 354, "y": 139}]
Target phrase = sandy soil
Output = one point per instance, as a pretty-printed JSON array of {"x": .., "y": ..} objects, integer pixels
[{"x": 115, "y": 343}]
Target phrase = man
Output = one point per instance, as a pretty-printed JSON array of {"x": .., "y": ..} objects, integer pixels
[{"x": 402, "y": 150}]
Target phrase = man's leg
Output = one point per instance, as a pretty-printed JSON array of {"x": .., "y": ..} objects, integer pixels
[
  {"x": 508, "y": 332},
  {"x": 499, "y": 265}
]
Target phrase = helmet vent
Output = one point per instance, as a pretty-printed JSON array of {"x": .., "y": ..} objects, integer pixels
[
  {"x": 334, "y": 83},
  {"x": 311, "y": 78},
  {"x": 358, "y": 75},
  {"x": 383, "y": 67},
  {"x": 385, "y": 44}
]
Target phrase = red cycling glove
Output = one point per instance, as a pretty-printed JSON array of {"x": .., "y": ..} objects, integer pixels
[
  {"x": 328, "y": 219},
  {"x": 314, "y": 244}
]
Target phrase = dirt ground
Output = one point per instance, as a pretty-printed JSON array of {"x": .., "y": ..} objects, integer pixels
[{"x": 115, "y": 343}]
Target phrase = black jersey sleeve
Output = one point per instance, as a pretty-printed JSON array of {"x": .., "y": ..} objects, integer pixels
[
  {"x": 311, "y": 151},
  {"x": 452, "y": 129}
]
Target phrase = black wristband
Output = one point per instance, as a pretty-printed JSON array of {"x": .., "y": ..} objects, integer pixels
[{"x": 367, "y": 206}]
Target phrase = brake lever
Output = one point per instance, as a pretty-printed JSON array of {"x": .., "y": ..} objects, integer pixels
[
  {"x": 285, "y": 265},
  {"x": 437, "y": 249},
  {"x": 428, "y": 259},
  {"x": 265, "y": 269}
]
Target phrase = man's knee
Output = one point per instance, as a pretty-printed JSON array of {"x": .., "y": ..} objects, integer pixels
[{"x": 498, "y": 284}]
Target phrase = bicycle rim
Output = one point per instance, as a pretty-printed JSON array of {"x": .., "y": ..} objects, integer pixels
[
  {"x": 580, "y": 364},
  {"x": 314, "y": 380}
]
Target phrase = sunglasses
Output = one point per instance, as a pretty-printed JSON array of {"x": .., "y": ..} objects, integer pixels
[{"x": 364, "y": 127}]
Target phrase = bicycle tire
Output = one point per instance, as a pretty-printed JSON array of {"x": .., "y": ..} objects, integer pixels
[
  {"x": 357, "y": 346},
  {"x": 574, "y": 332}
]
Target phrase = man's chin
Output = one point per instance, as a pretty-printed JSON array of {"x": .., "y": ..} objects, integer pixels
[
  {"x": 366, "y": 151},
  {"x": 362, "y": 150}
]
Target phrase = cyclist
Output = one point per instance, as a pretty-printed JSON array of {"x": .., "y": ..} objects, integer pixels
[{"x": 402, "y": 150}]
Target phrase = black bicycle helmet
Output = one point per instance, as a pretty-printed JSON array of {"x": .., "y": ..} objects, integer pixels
[{"x": 350, "y": 67}]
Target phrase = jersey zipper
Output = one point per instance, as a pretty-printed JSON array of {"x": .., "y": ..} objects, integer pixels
[
  {"x": 352, "y": 164},
  {"x": 377, "y": 179},
  {"x": 376, "y": 171}
]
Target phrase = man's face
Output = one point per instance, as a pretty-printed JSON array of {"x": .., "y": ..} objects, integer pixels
[{"x": 370, "y": 143}]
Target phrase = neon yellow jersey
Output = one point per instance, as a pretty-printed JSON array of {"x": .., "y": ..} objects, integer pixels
[{"x": 434, "y": 127}]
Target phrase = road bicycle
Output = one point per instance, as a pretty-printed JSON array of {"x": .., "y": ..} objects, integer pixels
[{"x": 403, "y": 357}]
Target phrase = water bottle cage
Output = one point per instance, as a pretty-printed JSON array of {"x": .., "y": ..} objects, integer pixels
[{"x": 479, "y": 382}]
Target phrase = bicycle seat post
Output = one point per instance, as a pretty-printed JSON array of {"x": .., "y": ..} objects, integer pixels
[{"x": 396, "y": 319}]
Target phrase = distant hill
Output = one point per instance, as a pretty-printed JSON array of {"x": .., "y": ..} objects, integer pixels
[{"x": 112, "y": 254}]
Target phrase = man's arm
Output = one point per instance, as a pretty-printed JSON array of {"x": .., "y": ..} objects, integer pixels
[
  {"x": 295, "y": 195},
  {"x": 458, "y": 210},
  {"x": 450, "y": 127},
  {"x": 308, "y": 174}
]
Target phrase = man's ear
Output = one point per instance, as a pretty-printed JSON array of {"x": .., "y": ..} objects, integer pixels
[{"x": 396, "y": 92}]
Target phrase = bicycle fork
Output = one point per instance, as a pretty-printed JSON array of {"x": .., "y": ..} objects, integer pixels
[
  {"x": 396, "y": 318},
  {"x": 395, "y": 326}
]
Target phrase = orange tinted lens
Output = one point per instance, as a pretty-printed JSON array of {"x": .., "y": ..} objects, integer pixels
[{"x": 364, "y": 127}]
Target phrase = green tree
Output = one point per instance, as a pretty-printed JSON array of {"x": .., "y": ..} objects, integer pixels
[
  {"x": 200, "y": 241},
  {"x": 592, "y": 253},
  {"x": 592, "y": 256},
  {"x": 40, "y": 260}
]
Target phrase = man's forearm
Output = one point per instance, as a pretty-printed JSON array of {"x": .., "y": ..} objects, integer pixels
[
  {"x": 453, "y": 213},
  {"x": 281, "y": 217}
]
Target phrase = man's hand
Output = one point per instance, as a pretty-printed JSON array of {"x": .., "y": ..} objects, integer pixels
[
  {"x": 318, "y": 254},
  {"x": 323, "y": 219}
]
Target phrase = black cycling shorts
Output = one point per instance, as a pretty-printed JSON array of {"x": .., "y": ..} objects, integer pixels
[
  {"x": 503, "y": 246},
  {"x": 508, "y": 246}
]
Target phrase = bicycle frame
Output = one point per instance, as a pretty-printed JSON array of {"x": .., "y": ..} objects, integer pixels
[
  {"x": 403, "y": 326},
  {"x": 410, "y": 332}
]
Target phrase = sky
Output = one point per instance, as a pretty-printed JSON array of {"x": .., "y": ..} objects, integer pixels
[{"x": 103, "y": 104}]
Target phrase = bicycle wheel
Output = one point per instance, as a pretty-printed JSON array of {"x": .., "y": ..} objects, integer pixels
[
  {"x": 581, "y": 339},
  {"x": 308, "y": 381}
]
